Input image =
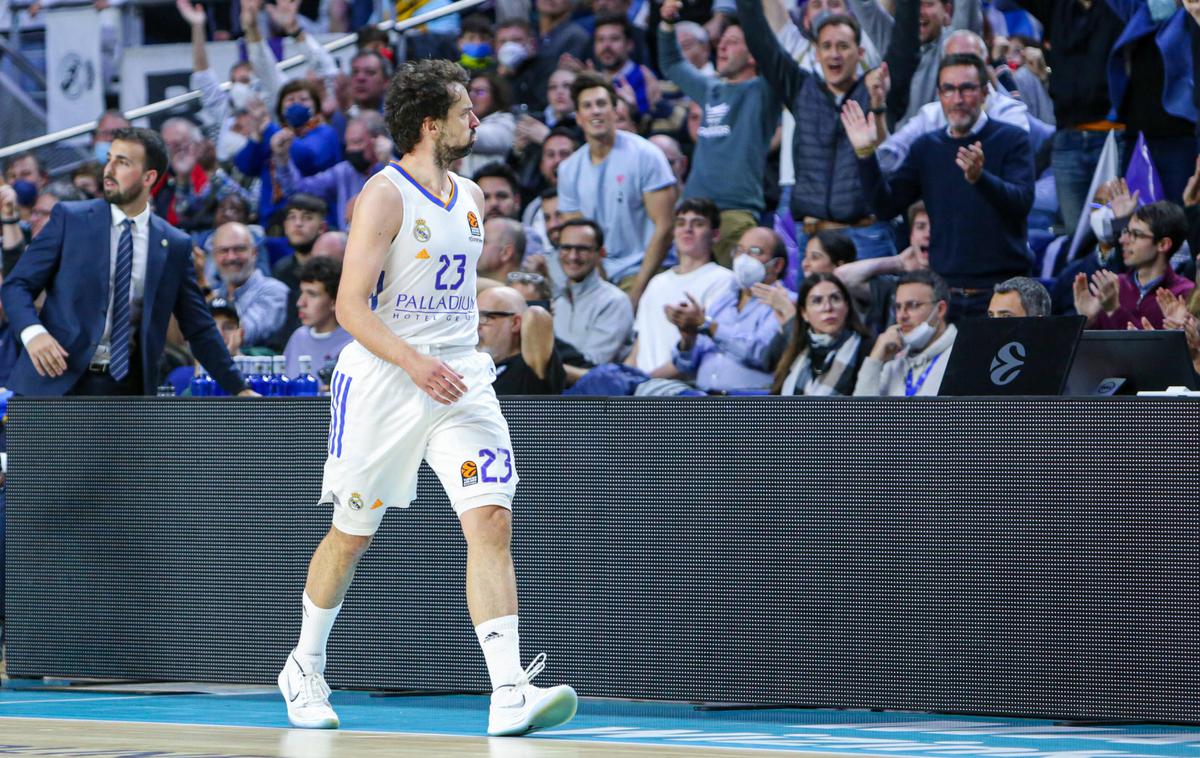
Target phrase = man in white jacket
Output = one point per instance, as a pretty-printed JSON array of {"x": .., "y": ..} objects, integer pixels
[{"x": 910, "y": 357}]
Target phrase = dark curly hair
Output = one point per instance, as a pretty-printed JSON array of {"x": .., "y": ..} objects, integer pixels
[{"x": 421, "y": 89}]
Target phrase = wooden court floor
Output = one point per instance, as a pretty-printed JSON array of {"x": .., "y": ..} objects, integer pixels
[{"x": 108, "y": 739}]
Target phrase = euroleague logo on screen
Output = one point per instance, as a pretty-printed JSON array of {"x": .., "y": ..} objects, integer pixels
[{"x": 1007, "y": 364}]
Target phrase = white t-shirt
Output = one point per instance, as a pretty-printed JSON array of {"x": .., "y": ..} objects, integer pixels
[{"x": 656, "y": 336}]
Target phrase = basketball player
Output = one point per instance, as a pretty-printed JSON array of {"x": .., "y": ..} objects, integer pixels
[{"x": 412, "y": 385}]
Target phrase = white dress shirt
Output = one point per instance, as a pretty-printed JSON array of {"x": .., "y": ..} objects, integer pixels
[{"x": 137, "y": 283}]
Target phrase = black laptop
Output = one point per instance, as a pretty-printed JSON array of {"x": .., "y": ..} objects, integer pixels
[
  {"x": 1128, "y": 362},
  {"x": 1011, "y": 356}
]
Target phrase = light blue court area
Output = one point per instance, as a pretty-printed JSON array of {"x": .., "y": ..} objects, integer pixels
[{"x": 625, "y": 722}]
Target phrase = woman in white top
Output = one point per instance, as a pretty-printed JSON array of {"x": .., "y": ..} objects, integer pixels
[{"x": 497, "y": 126}]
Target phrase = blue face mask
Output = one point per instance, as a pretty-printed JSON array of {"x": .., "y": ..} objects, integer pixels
[
  {"x": 297, "y": 115},
  {"x": 100, "y": 152},
  {"x": 477, "y": 50},
  {"x": 1161, "y": 10},
  {"x": 27, "y": 192}
]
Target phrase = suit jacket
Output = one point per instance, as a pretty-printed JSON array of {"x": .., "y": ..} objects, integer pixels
[{"x": 69, "y": 260}]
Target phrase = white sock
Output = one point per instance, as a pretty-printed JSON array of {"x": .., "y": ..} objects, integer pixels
[
  {"x": 501, "y": 649},
  {"x": 314, "y": 633}
]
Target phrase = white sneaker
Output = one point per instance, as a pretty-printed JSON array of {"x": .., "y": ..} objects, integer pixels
[
  {"x": 307, "y": 696},
  {"x": 521, "y": 708}
]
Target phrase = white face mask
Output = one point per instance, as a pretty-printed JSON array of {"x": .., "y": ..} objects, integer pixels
[
  {"x": 240, "y": 94},
  {"x": 918, "y": 338},
  {"x": 511, "y": 54},
  {"x": 229, "y": 144},
  {"x": 1101, "y": 220},
  {"x": 748, "y": 270}
]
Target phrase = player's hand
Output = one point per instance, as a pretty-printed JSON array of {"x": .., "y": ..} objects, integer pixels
[
  {"x": 913, "y": 258},
  {"x": 888, "y": 344},
  {"x": 248, "y": 393},
  {"x": 49, "y": 358},
  {"x": 776, "y": 296},
  {"x": 435, "y": 378},
  {"x": 194, "y": 15},
  {"x": 669, "y": 11},
  {"x": 879, "y": 83}
]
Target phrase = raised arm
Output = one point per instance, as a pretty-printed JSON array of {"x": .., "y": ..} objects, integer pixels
[
  {"x": 537, "y": 339},
  {"x": 774, "y": 64}
]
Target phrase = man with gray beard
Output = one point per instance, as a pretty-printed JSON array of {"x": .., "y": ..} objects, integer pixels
[{"x": 261, "y": 301}]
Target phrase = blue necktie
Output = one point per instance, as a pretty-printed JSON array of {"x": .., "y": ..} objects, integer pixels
[{"x": 122, "y": 329}]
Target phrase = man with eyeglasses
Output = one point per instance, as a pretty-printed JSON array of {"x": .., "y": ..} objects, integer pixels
[
  {"x": 730, "y": 346},
  {"x": 1111, "y": 301},
  {"x": 261, "y": 301},
  {"x": 520, "y": 339},
  {"x": 909, "y": 358},
  {"x": 976, "y": 178},
  {"x": 590, "y": 314}
]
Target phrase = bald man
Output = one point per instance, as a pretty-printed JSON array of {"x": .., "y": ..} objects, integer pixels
[
  {"x": 330, "y": 245},
  {"x": 261, "y": 301},
  {"x": 503, "y": 249},
  {"x": 520, "y": 339}
]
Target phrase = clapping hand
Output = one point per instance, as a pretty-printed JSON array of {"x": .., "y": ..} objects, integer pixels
[
  {"x": 1122, "y": 203},
  {"x": 776, "y": 296},
  {"x": 1174, "y": 309},
  {"x": 860, "y": 128},
  {"x": 1191, "y": 193},
  {"x": 970, "y": 160},
  {"x": 687, "y": 317},
  {"x": 1108, "y": 290},
  {"x": 879, "y": 83}
]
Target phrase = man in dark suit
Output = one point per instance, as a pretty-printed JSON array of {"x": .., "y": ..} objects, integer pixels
[{"x": 113, "y": 274}]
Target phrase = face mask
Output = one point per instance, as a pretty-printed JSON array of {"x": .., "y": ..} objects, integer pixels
[
  {"x": 100, "y": 152},
  {"x": 748, "y": 270},
  {"x": 918, "y": 338},
  {"x": 816, "y": 339},
  {"x": 1101, "y": 220},
  {"x": 512, "y": 54},
  {"x": 230, "y": 144},
  {"x": 1161, "y": 10},
  {"x": 478, "y": 50},
  {"x": 240, "y": 94},
  {"x": 358, "y": 160},
  {"x": 297, "y": 115},
  {"x": 27, "y": 192}
]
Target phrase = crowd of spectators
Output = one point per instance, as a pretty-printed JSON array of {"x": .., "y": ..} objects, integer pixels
[{"x": 717, "y": 196}]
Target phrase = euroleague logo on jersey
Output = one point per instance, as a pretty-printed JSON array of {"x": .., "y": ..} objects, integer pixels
[{"x": 473, "y": 224}]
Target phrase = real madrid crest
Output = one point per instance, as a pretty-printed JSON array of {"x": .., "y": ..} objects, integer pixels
[
  {"x": 356, "y": 501},
  {"x": 421, "y": 231}
]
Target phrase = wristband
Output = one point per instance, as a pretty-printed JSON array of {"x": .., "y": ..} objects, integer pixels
[
  {"x": 864, "y": 152},
  {"x": 879, "y": 111},
  {"x": 10, "y": 221}
]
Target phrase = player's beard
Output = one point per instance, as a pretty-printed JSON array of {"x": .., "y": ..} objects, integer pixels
[{"x": 445, "y": 154}]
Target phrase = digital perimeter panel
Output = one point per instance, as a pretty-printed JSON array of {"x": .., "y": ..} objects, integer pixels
[{"x": 1035, "y": 557}]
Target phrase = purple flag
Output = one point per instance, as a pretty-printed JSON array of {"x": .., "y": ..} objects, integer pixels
[{"x": 1142, "y": 176}]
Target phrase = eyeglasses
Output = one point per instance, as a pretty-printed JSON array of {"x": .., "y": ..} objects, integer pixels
[
  {"x": 946, "y": 90},
  {"x": 753, "y": 250},
  {"x": 581, "y": 249},
  {"x": 525, "y": 277},
  {"x": 486, "y": 316},
  {"x": 1136, "y": 234},
  {"x": 817, "y": 301},
  {"x": 911, "y": 305}
]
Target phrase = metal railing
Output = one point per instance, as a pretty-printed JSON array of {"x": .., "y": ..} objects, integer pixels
[{"x": 286, "y": 64}]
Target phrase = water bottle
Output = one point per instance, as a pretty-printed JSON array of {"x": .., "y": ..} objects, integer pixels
[
  {"x": 260, "y": 376},
  {"x": 203, "y": 385},
  {"x": 305, "y": 384},
  {"x": 279, "y": 381}
]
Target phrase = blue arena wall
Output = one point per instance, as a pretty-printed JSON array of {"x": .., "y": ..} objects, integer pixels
[{"x": 1034, "y": 557}]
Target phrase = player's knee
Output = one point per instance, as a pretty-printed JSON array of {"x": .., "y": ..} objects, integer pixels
[
  {"x": 350, "y": 545},
  {"x": 489, "y": 526}
]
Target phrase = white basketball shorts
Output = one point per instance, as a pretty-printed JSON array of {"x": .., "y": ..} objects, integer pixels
[{"x": 382, "y": 425}]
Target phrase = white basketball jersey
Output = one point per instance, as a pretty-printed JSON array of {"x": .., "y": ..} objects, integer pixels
[{"x": 426, "y": 290}]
